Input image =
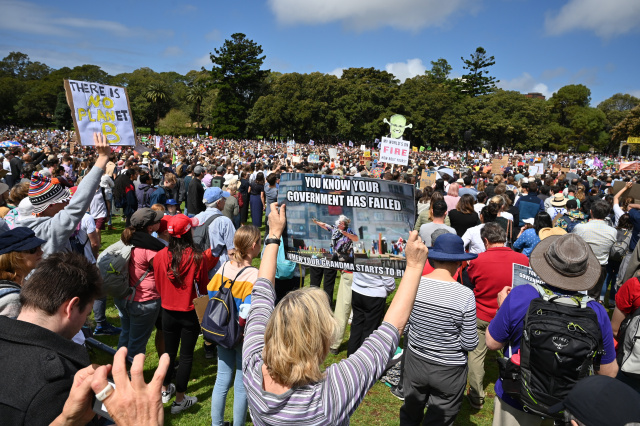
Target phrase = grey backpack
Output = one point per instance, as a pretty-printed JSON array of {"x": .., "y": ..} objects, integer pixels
[{"x": 629, "y": 351}]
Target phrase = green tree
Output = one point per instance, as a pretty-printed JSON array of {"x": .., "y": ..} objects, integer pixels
[
  {"x": 629, "y": 126},
  {"x": 616, "y": 109},
  {"x": 175, "y": 123},
  {"x": 576, "y": 123},
  {"x": 195, "y": 95},
  {"x": 237, "y": 75},
  {"x": 62, "y": 114},
  {"x": 158, "y": 95},
  {"x": 477, "y": 81},
  {"x": 440, "y": 70}
]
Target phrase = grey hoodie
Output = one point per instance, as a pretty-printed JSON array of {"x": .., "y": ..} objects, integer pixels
[
  {"x": 9, "y": 299},
  {"x": 56, "y": 230}
]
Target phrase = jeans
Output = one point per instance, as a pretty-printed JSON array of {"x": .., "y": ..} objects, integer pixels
[
  {"x": 180, "y": 329},
  {"x": 610, "y": 279},
  {"x": 100, "y": 311},
  {"x": 137, "y": 320},
  {"x": 229, "y": 360}
]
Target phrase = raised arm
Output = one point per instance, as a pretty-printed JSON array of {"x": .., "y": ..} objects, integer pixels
[
  {"x": 616, "y": 198},
  {"x": 402, "y": 304},
  {"x": 277, "y": 222}
]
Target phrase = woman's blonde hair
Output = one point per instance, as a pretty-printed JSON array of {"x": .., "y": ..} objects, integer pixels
[
  {"x": 453, "y": 190},
  {"x": 298, "y": 337},
  {"x": 246, "y": 236}
]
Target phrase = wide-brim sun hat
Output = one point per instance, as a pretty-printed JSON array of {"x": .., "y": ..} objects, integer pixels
[
  {"x": 566, "y": 262},
  {"x": 558, "y": 200},
  {"x": 449, "y": 248},
  {"x": 549, "y": 232}
]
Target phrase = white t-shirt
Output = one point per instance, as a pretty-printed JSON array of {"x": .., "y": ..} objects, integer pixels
[
  {"x": 617, "y": 211},
  {"x": 98, "y": 208},
  {"x": 87, "y": 226},
  {"x": 473, "y": 241}
]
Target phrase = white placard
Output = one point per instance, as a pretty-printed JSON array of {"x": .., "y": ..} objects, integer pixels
[
  {"x": 97, "y": 107},
  {"x": 333, "y": 153},
  {"x": 362, "y": 147},
  {"x": 395, "y": 151}
]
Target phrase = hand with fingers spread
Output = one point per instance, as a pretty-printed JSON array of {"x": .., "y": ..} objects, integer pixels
[
  {"x": 103, "y": 148},
  {"x": 132, "y": 402}
]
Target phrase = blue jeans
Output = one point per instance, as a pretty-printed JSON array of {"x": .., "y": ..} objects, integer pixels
[
  {"x": 228, "y": 361},
  {"x": 137, "y": 321},
  {"x": 100, "y": 311},
  {"x": 610, "y": 280}
]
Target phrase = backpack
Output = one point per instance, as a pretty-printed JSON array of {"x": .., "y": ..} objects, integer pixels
[
  {"x": 629, "y": 349},
  {"x": 240, "y": 199},
  {"x": 619, "y": 249},
  {"x": 159, "y": 196},
  {"x": 113, "y": 264},
  {"x": 201, "y": 233},
  {"x": 77, "y": 246},
  {"x": 220, "y": 324},
  {"x": 561, "y": 343},
  {"x": 572, "y": 222}
]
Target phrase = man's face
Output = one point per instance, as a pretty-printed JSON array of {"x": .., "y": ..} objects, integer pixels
[
  {"x": 170, "y": 185},
  {"x": 398, "y": 124}
]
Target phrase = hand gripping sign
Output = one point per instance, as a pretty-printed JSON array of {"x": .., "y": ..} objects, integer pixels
[{"x": 100, "y": 108}]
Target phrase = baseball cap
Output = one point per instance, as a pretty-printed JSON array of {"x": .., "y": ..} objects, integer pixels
[
  {"x": 180, "y": 224},
  {"x": 145, "y": 217},
  {"x": 171, "y": 202},
  {"x": 19, "y": 238},
  {"x": 211, "y": 195},
  {"x": 198, "y": 170}
]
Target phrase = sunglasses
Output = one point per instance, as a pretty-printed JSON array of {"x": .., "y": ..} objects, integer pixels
[{"x": 31, "y": 251}]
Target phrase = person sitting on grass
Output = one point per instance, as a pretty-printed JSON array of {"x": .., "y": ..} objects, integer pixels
[{"x": 286, "y": 345}]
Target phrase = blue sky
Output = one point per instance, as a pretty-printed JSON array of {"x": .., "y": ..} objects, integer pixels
[{"x": 538, "y": 45}]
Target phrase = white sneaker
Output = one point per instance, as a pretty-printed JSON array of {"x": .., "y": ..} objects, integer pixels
[
  {"x": 166, "y": 395},
  {"x": 187, "y": 402}
]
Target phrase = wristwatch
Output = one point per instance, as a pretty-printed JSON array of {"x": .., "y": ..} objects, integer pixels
[{"x": 271, "y": 239}]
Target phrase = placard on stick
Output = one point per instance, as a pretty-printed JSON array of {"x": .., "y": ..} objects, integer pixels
[
  {"x": 100, "y": 108},
  {"x": 498, "y": 165},
  {"x": 395, "y": 151},
  {"x": 634, "y": 192},
  {"x": 428, "y": 178}
]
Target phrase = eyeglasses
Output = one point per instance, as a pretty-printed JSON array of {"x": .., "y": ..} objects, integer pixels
[{"x": 31, "y": 251}]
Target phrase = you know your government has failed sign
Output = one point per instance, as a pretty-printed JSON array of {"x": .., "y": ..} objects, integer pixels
[
  {"x": 99, "y": 108},
  {"x": 379, "y": 216}
]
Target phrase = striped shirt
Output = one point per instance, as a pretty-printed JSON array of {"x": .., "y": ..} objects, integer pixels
[
  {"x": 331, "y": 401},
  {"x": 442, "y": 324}
]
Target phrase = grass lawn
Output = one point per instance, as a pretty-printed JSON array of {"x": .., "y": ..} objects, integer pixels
[{"x": 379, "y": 407}]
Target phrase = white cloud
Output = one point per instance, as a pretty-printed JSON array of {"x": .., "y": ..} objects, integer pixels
[
  {"x": 553, "y": 73},
  {"x": 25, "y": 17},
  {"x": 526, "y": 84},
  {"x": 405, "y": 70},
  {"x": 606, "y": 18},
  {"x": 203, "y": 61},
  {"x": 213, "y": 35},
  {"x": 635, "y": 93},
  {"x": 361, "y": 15},
  {"x": 172, "y": 51},
  {"x": 337, "y": 72}
]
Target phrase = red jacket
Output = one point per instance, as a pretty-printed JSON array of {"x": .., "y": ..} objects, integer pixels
[
  {"x": 490, "y": 272},
  {"x": 179, "y": 298}
]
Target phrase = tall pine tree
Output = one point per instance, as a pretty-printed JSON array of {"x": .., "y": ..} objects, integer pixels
[
  {"x": 477, "y": 81},
  {"x": 237, "y": 75}
]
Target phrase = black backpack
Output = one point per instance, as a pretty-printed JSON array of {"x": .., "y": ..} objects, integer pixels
[
  {"x": 201, "y": 234},
  {"x": 220, "y": 323},
  {"x": 572, "y": 222},
  {"x": 561, "y": 344}
]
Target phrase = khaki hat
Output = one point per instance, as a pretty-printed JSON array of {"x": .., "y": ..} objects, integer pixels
[
  {"x": 566, "y": 262},
  {"x": 559, "y": 200},
  {"x": 548, "y": 232}
]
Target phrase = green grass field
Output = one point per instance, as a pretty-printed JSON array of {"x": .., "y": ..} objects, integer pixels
[{"x": 379, "y": 407}]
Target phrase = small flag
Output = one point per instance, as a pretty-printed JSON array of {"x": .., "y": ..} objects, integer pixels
[
  {"x": 414, "y": 149},
  {"x": 312, "y": 142},
  {"x": 350, "y": 143},
  {"x": 422, "y": 149}
]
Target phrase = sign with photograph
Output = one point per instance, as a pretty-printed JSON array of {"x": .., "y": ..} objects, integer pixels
[
  {"x": 100, "y": 108},
  {"x": 524, "y": 275},
  {"x": 347, "y": 223}
]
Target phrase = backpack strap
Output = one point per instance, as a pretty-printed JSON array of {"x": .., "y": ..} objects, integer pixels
[
  {"x": 578, "y": 299},
  {"x": 8, "y": 290},
  {"x": 237, "y": 275}
]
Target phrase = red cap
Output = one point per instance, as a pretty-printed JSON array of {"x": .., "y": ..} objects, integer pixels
[
  {"x": 164, "y": 224},
  {"x": 180, "y": 224}
]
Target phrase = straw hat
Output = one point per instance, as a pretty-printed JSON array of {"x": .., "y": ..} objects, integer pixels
[{"x": 548, "y": 232}]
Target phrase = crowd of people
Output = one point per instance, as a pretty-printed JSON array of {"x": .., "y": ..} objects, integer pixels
[{"x": 186, "y": 206}]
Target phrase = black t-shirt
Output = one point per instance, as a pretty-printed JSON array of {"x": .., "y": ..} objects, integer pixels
[
  {"x": 462, "y": 221},
  {"x": 256, "y": 188}
]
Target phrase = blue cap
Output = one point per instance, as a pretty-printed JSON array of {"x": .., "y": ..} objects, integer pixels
[
  {"x": 211, "y": 195},
  {"x": 171, "y": 202},
  {"x": 19, "y": 239}
]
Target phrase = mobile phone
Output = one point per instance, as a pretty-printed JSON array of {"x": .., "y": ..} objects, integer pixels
[{"x": 99, "y": 408}]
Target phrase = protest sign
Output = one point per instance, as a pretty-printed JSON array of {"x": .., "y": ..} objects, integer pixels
[
  {"x": 634, "y": 192},
  {"x": 633, "y": 139},
  {"x": 367, "y": 153},
  {"x": 498, "y": 165},
  {"x": 394, "y": 151},
  {"x": 333, "y": 153},
  {"x": 414, "y": 149},
  {"x": 524, "y": 275},
  {"x": 362, "y": 147},
  {"x": 296, "y": 159},
  {"x": 365, "y": 161},
  {"x": 100, "y": 108},
  {"x": 428, "y": 178},
  {"x": 540, "y": 167},
  {"x": 533, "y": 170},
  {"x": 290, "y": 150},
  {"x": 313, "y": 158},
  {"x": 381, "y": 214}
]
